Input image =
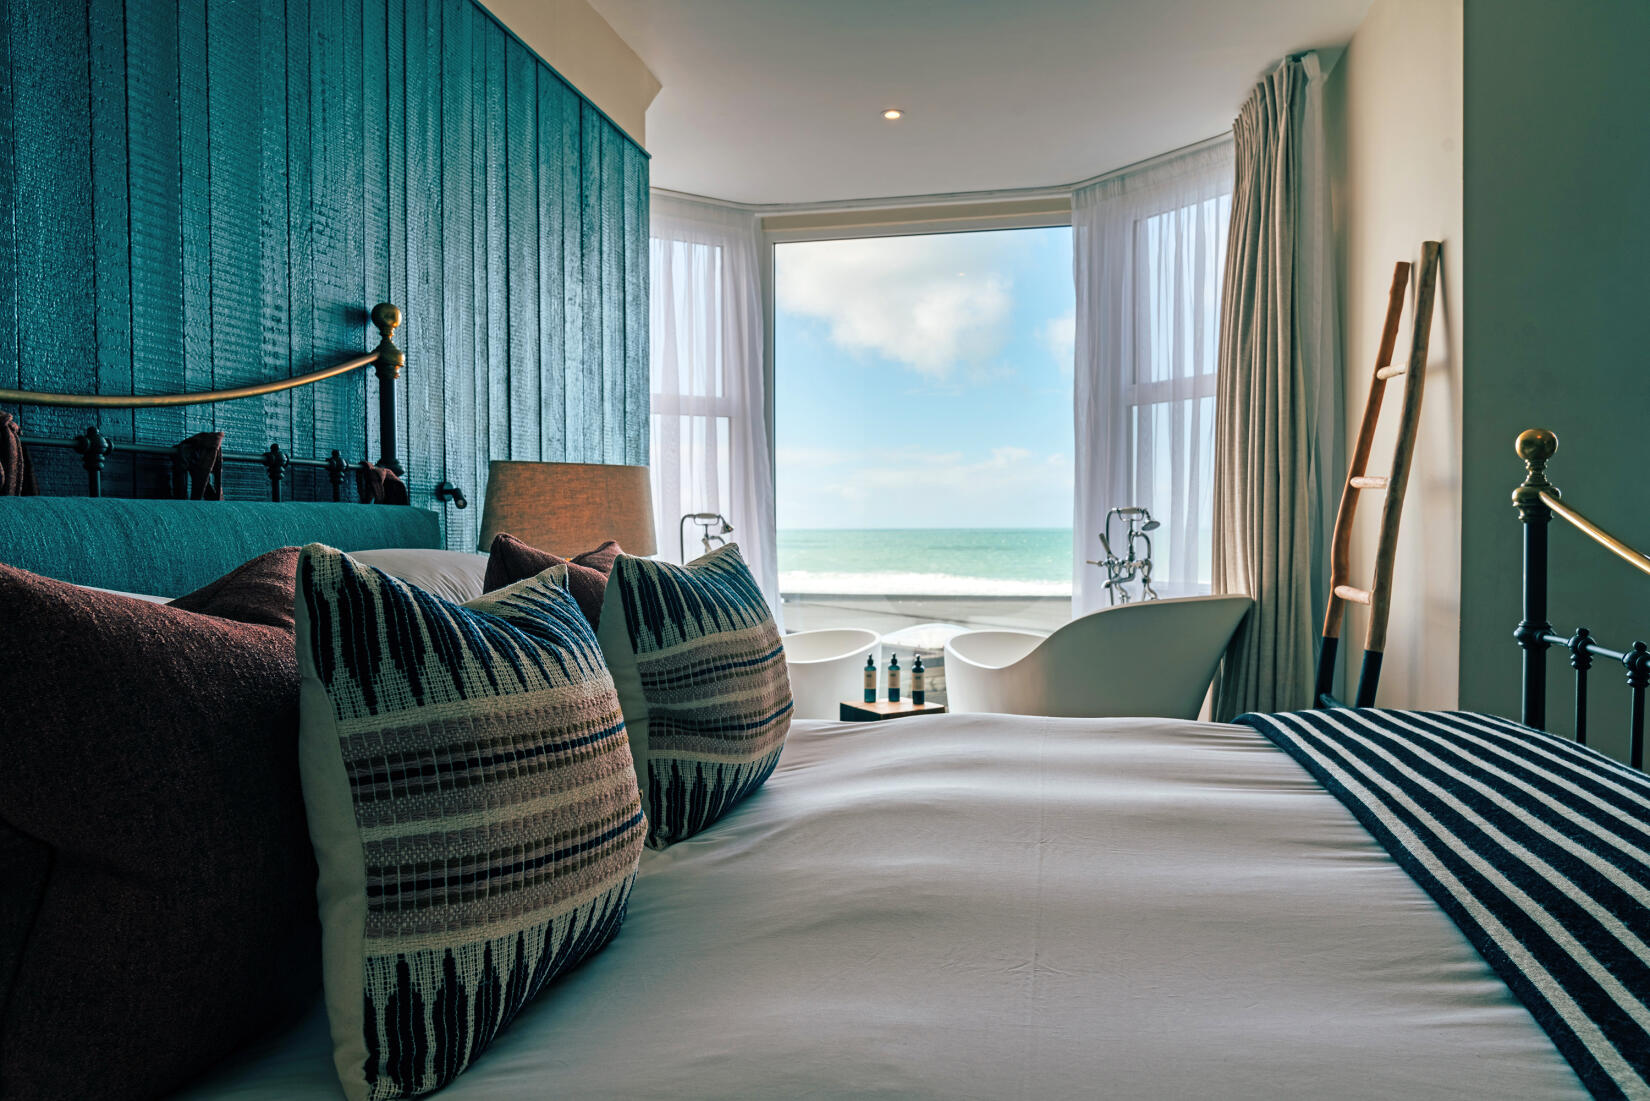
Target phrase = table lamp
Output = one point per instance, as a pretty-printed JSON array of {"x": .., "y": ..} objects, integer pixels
[{"x": 569, "y": 508}]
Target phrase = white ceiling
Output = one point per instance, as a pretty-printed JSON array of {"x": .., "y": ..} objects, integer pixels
[{"x": 780, "y": 101}]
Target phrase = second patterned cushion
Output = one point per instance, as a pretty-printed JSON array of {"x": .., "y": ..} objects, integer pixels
[
  {"x": 701, "y": 675},
  {"x": 472, "y": 805}
]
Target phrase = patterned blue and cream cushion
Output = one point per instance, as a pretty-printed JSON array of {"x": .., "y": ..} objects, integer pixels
[
  {"x": 701, "y": 676},
  {"x": 472, "y": 805}
]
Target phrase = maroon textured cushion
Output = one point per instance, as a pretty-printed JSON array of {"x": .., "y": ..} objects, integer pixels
[
  {"x": 601, "y": 559},
  {"x": 157, "y": 886},
  {"x": 258, "y": 592},
  {"x": 510, "y": 560}
]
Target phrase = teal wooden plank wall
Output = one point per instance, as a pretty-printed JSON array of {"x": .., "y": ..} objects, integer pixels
[{"x": 204, "y": 193}]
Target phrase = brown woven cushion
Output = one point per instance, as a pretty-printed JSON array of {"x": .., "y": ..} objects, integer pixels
[
  {"x": 510, "y": 560},
  {"x": 157, "y": 888}
]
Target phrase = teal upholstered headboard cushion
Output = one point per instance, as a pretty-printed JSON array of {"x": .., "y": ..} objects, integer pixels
[{"x": 169, "y": 548}]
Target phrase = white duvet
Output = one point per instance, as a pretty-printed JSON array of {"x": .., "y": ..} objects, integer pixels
[{"x": 980, "y": 906}]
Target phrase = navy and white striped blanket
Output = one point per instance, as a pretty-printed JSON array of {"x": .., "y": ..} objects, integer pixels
[{"x": 1539, "y": 849}]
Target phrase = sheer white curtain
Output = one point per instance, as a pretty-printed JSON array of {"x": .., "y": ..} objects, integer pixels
[
  {"x": 711, "y": 451},
  {"x": 1148, "y": 250}
]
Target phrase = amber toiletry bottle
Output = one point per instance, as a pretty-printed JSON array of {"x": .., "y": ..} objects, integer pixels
[
  {"x": 893, "y": 679},
  {"x": 870, "y": 678},
  {"x": 917, "y": 693}
]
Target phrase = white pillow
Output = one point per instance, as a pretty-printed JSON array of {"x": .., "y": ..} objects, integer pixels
[{"x": 454, "y": 575}]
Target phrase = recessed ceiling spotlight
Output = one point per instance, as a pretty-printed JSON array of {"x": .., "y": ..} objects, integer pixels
[{"x": 893, "y": 113}]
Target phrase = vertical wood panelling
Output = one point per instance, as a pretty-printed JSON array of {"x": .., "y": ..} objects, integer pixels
[
  {"x": 375, "y": 108},
  {"x": 195, "y": 147},
  {"x": 498, "y": 320},
  {"x": 337, "y": 160},
  {"x": 235, "y": 210},
  {"x": 8, "y": 212},
  {"x": 456, "y": 249},
  {"x": 425, "y": 389},
  {"x": 348, "y": 315},
  {"x": 575, "y": 376},
  {"x": 482, "y": 433},
  {"x": 112, "y": 261},
  {"x": 553, "y": 101},
  {"x": 274, "y": 319},
  {"x": 592, "y": 440},
  {"x": 611, "y": 174},
  {"x": 521, "y": 248},
  {"x": 300, "y": 221},
  {"x": 56, "y": 347},
  {"x": 154, "y": 164},
  {"x": 200, "y": 193},
  {"x": 637, "y": 380},
  {"x": 396, "y": 259}
]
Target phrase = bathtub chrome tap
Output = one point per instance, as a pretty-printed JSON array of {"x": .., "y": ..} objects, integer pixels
[{"x": 1136, "y": 566}]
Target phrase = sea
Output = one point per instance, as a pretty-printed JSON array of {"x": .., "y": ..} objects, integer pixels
[{"x": 926, "y": 561}]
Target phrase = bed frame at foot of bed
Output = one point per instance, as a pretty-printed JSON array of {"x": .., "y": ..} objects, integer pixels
[{"x": 1538, "y": 501}]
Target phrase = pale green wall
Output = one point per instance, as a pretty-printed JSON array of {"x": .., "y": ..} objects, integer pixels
[
  {"x": 1518, "y": 132},
  {"x": 1394, "y": 108},
  {"x": 1556, "y": 190}
]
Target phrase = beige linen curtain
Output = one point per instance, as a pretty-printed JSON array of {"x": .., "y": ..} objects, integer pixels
[{"x": 1277, "y": 437}]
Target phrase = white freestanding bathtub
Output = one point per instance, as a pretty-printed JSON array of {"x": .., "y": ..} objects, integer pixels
[
  {"x": 1153, "y": 658},
  {"x": 827, "y": 667}
]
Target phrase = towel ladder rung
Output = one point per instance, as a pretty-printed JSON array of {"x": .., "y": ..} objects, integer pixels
[{"x": 1352, "y": 595}]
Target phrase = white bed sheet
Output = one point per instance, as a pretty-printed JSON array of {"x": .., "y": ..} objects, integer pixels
[{"x": 978, "y": 906}]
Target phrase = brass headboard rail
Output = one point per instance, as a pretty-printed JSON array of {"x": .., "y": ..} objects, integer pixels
[
  {"x": 201, "y": 397},
  {"x": 389, "y": 359},
  {"x": 1627, "y": 553}
]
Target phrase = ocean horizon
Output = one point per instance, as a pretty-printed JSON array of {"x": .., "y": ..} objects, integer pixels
[{"x": 1027, "y": 562}]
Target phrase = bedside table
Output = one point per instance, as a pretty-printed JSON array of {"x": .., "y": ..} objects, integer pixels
[{"x": 882, "y": 709}]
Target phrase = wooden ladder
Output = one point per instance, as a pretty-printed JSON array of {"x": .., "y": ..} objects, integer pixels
[{"x": 1378, "y": 597}]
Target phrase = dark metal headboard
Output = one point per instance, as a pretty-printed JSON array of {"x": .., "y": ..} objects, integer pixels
[
  {"x": 94, "y": 448},
  {"x": 1537, "y": 501}
]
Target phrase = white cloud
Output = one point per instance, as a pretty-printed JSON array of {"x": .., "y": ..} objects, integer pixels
[
  {"x": 1006, "y": 487},
  {"x": 927, "y": 302},
  {"x": 1059, "y": 336}
]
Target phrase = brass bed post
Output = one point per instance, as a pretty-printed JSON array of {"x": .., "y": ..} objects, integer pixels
[
  {"x": 1535, "y": 446},
  {"x": 389, "y": 360},
  {"x": 1538, "y": 501}
]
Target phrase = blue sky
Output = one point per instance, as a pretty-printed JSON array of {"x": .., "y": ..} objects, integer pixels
[{"x": 925, "y": 381}]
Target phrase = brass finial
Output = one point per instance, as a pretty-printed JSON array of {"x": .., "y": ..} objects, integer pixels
[
  {"x": 390, "y": 359},
  {"x": 1535, "y": 446}
]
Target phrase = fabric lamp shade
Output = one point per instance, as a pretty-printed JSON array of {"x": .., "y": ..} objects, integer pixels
[{"x": 569, "y": 508}]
